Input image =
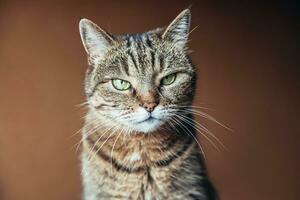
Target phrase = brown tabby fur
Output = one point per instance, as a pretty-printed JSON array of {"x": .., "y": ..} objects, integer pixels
[{"x": 124, "y": 161}]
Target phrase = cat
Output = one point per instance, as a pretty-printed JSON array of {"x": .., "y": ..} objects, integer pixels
[{"x": 138, "y": 139}]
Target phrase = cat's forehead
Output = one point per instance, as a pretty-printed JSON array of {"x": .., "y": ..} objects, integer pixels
[
  {"x": 135, "y": 54},
  {"x": 142, "y": 44},
  {"x": 141, "y": 56}
]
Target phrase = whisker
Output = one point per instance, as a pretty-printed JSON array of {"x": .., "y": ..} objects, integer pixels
[
  {"x": 77, "y": 132},
  {"x": 98, "y": 140},
  {"x": 190, "y": 106},
  {"x": 190, "y": 134},
  {"x": 111, "y": 134},
  {"x": 192, "y": 30},
  {"x": 192, "y": 123},
  {"x": 207, "y": 116},
  {"x": 95, "y": 128},
  {"x": 85, "y": 103},
  {"x": 112, "y": 150},
  {"x": 90, "y": 131},
  {"x": 202, "y": 128},
  {"x": 173, "y": 126}
]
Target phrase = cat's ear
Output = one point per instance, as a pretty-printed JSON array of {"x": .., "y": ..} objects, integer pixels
[
  {"x": 177, "y": 32},
  {"x": 95, "y": 40}
]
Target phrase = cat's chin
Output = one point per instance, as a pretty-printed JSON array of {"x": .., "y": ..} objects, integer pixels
[{"x": 147, "y": 126}]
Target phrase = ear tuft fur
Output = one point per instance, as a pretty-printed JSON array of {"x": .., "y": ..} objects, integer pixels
[
  {"x": 95, "y": 40},
  {"x": 177, "y": 32}
]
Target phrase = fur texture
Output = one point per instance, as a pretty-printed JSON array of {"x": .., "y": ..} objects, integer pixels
[{"x": 140, "y": 142}]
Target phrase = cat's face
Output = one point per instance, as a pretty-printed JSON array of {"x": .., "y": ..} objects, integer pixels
[{"x": 138, "y": 81}]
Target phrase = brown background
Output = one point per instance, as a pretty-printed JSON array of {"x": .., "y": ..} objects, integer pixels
[{"x": 247, "y": 57}]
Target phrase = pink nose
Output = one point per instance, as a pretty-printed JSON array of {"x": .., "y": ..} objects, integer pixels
[{"x": 149, "y": 106}]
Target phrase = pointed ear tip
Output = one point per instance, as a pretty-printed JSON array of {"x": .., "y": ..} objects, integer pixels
[
  {"x": 84, "y": 21},
  {"x": 187, "y": 11}
]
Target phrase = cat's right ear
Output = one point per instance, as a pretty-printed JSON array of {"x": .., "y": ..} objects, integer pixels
[{"x": 95, "y": 40}]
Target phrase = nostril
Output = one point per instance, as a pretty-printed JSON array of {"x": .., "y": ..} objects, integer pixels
[
  {"x": 150, "y": 106},
  {"x": 149, "y": 109}
]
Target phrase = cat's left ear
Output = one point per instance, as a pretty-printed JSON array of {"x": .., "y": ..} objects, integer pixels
[
  {"x": 177, "y": 32},
  {"x": 95, "y": 40}
]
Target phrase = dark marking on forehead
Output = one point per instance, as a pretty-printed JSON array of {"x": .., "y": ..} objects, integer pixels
[
  {"x": 152, "y": 59},
  {"x": 133, "y": 60},
  {"x": 152, "y": 52},
  {"x": 140, "y": 49},
  {"x": 138, "y": 38},
  {"x": 129, "y": 51},
  {"x": 148, "y": 42},
  {"x": 124, "y": 65},
  {"x": 135, "y": 51},
  {"x": 144, "y": 50},
  {"x": 128, "y": 42},
  {"x": 142, "y": 56},
  {"x": 161, "y": 63}
]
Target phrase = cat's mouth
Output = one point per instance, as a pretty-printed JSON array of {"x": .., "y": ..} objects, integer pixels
[
  {"x": 147, "y": 125},
  {"x": 144, "y": 121},
  {"x": 150, "y": 119}
]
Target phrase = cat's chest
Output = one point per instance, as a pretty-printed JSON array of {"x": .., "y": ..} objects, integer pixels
[
  {"x": 149, "y": 183},
  {"x": 154, "y": 185}
]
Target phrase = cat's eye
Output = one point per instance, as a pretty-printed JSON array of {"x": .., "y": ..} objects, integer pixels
[
  {"x": 120, "y": 84},
  {"x": 168, "y": 80}
]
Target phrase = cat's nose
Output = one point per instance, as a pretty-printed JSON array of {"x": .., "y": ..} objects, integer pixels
[
  {"x": 148, "y": 100},
  {"x": 149, "y": 106}
]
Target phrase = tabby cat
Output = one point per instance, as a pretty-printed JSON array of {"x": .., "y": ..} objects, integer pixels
[{"x": 138, "y": 138}]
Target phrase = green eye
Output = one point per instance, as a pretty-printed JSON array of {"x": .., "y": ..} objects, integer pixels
[
  {"x": 168, "y": 80},
  {"x": 121, "y": 84}
]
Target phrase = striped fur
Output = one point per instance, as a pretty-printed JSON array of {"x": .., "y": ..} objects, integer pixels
[{"x": 128, "y": 151}]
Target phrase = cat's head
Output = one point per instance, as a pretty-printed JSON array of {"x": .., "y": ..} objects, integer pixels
[{"x": 139, "y": 81}]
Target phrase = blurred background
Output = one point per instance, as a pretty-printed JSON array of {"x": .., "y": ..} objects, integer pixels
[{"x": 247, "y": 57}]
